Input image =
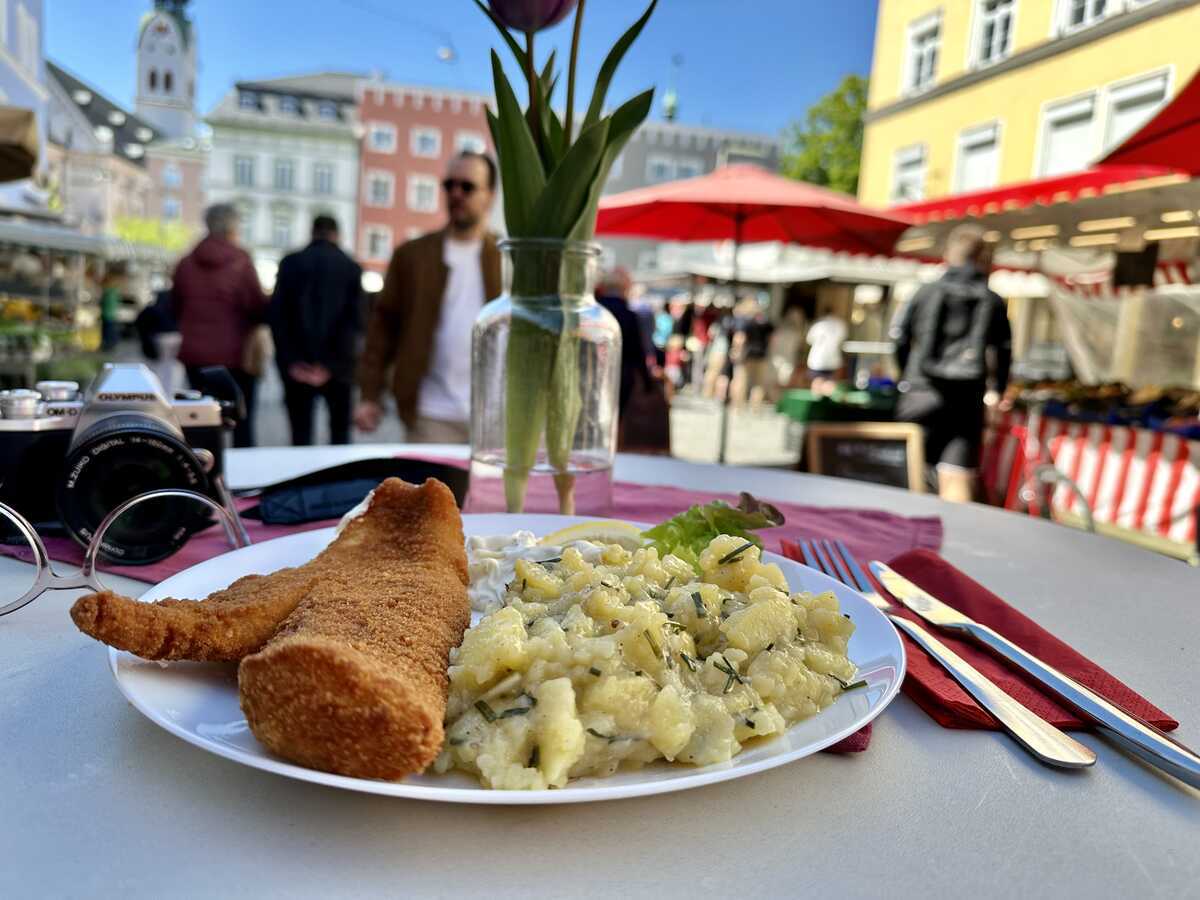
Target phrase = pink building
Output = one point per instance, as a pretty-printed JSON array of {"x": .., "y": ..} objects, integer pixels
[{"x": 409, "y": 136}]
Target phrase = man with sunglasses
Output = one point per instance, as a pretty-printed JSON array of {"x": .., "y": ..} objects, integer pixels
[{"x": 421, "y": 322}]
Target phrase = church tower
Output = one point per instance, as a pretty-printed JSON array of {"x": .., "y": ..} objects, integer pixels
[{"x": 166, "y": 69}]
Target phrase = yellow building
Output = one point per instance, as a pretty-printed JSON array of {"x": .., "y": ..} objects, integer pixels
[{"x": 971, "y": 94}]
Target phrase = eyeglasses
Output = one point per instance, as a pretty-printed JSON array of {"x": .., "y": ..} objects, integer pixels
[
  {"x": 467, "y": 187},
  {"x": 46, "y": 579}
]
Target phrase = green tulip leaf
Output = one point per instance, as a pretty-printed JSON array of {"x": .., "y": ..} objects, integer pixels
[
  {"x": 622, "y": 125},
  {"x": 520, "y": 169},
  {"x": 559, "y": 208},
  {"x": 549, "y": 80},
  {"x": 611, "y": 62},
  {"x": 557, "y": 138}
]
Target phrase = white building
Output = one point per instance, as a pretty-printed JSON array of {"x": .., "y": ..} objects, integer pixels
[
  {"x": 166, "y": 70},
  {"x": 283, "y": 151}
]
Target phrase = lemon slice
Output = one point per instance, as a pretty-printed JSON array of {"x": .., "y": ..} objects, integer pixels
[{"x": 604, "y": 531}]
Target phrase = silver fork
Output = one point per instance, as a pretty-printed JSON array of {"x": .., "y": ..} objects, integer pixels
[{"x": 1039, "y": 737}]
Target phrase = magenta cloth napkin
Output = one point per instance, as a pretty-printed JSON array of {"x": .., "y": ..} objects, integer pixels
[{"x": 869, "y": 533}]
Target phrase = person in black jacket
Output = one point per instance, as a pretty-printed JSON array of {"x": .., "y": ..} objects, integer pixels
[
  {"x": 315, "y": 321},
  {"x": 950, "y": 339},
  {"x": 613, "y": 294}
]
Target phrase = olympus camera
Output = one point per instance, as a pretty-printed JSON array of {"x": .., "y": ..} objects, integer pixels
[{"x": 68, "y": 459}]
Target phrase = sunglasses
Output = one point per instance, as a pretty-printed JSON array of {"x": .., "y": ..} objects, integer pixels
[{"x": 467, "y": 187}]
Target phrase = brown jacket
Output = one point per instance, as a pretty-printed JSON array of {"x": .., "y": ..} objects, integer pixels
[{"x": 405, "y": 317}]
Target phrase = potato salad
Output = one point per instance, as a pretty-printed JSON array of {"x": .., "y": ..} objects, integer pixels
[{"x": 588, "y": 667}]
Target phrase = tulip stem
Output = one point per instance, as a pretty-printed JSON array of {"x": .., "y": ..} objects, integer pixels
[
  {"x": 535, "y": 108},
  {"x": 571, "y": 72}
]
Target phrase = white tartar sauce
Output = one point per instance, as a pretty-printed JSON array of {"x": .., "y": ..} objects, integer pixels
[{"x": 492, "y": 563}]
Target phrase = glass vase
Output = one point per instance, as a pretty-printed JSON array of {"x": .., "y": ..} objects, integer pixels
[{"x": 545, "y": 375}]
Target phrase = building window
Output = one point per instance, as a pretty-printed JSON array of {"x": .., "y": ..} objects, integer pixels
[
  {"x": 381, "y": 137},
  {"x": 1068, "y": 137},
  {"x": 618, "y": 166},
  {"x": 323, "y": 178},
  {"x": 924, "y": 42},
  {"x": 425, "y": 142},
  {"x": 327, "y": 110},
  {"x": 1078, "y": 14},
  {"x": 245, "y": 222},
  {"x": 978, "y": 159},
  {"x": 243, "y": 171},
  {"x": 1132, "y": 105},
  {"x": 289, "y": 106},
  {"x": 248, "y": 100},
  {"x": 908, "y": 175},
  {"x": 379, "y": 242},
  {"x": 688, "y": 168},
  {"x": 470, "y": 142},
  {"x": 422, "y": 193},
  {"x": 153, "y": 80},
  {"x": 995, "y": 31},
  {"x": 168, "y": 82},
  {"x": 281, "y": 228},
  {"x": 171, "y": 176},
  {"x": 29, "y": 46},
  {"x": 171, "y": 208},
  {"x": 381, "y": 189},
  {"x": 659, "y": 168},
  {"x": 285, "y": 175}
]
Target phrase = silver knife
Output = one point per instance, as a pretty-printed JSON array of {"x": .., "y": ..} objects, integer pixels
[
  {"x": 1035, "y": 734},
  {"x": 1133, "y": 734}
]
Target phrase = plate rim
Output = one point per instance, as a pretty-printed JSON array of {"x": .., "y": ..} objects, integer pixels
[{"x": 487, "y": 796}]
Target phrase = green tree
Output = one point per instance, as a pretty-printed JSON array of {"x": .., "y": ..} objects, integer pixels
[{"x": 825, "y": 148}]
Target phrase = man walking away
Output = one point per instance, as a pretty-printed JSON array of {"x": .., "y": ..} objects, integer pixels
[
  {"x": 613, "y": 294},
  {"x": 953, "y": 334},
  {"x": 421, "y": 323},
  {"x": 315, "y": 323},
  {"x": 218, "y": 301}
]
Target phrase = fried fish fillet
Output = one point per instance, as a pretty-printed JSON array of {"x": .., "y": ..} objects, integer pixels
[
  {"x": 354, "y": 681},
  {"x": 225, "y": 626}
]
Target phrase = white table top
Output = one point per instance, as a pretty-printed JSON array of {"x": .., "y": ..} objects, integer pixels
[{"x": 96, "y": 800}]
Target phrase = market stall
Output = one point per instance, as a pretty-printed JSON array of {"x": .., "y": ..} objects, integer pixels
[{"x": 49, "y": 296}]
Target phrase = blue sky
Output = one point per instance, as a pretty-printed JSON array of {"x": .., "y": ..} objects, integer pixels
[{"x": 753, "y": 65}]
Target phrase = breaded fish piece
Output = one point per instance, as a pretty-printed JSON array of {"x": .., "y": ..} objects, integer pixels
[
  {"x": 355, "y": 681},
  {"x": 223, "y": 627}
]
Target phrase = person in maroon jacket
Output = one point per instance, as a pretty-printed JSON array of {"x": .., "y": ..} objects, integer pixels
[{"x": 218, "y": 301}]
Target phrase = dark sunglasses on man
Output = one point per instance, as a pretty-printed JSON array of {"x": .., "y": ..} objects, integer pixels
[{"x": 467, "y": 187}]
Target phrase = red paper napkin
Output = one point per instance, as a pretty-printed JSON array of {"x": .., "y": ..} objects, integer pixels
[{"x": 943, "y": 698}]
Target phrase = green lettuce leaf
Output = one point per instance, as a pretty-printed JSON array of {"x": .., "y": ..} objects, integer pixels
[{"x": 687, "y": 534}]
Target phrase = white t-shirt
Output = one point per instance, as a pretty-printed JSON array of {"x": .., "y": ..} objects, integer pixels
[
  {"x": 825, "y": 337},
  {"x": 446, "y": 388}
]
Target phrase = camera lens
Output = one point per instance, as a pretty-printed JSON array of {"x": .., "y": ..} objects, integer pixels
[{"x": 118, "y": 458}]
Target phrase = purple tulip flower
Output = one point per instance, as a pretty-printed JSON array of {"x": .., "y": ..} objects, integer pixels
[{"x": 531, "y": 15}]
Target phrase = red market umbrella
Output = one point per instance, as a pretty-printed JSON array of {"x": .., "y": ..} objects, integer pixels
[
  {"x": 747, "y": 204},
  {"x": 1170, "y": 139}
]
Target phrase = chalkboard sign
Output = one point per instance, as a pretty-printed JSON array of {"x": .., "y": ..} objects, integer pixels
[{"x": 890, "y": 453}]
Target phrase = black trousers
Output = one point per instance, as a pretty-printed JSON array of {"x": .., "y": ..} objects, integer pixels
[
  {"x": 301, "y": 399},
  {"x": 243, "y": 433}
]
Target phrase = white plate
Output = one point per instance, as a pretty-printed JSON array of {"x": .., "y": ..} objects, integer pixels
[{"x": 199, "y": 701}]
